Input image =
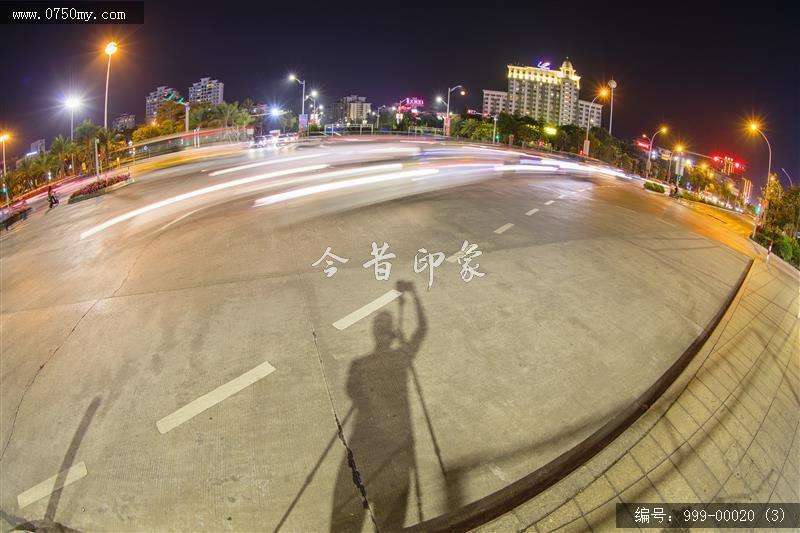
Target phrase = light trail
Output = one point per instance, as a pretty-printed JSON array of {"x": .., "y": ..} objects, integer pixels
[
  {"x": 327, "y": 187},
  {"x": 244, "y": 181},
  {"x": 263, "y": 163},
  {"x": 193, "y": 194}
]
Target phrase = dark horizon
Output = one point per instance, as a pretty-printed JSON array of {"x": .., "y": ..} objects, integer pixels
[{"x": 704, "y": 72}]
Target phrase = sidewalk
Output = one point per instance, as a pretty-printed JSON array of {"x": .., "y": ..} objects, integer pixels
[{"x": 725, "y": 431}]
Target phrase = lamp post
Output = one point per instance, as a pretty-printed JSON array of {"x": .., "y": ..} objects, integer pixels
[
  {"x": 662, "y": 129},
  {"x": 447, "y": 112},
  {"x": 3, "y": 138},
  {"x": 72, "y": 103},
  {"x": 110, "y": 49},
  {"x": 613, "y": 85},
  {"x": 494, "y": 131},
  {"x": 678, "y": 150},
  {"x": 292, "y": 77},
  {"x": 755, "y": 127},
  {"x": 603, "y": 92}
]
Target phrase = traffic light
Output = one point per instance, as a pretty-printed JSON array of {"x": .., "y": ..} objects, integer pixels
[{"x": 4, "y": 188}]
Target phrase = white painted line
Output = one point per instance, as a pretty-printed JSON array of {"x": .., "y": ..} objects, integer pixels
[
  {"x": 549, "y": 202},
  {"x": 532, "y": 211},
  {"x": 168, "y": 224},
  {"x": 48, "y": 486},
  {"x": 374, "y": 305},
  {"x": 562, "y": 196},
  {"x": 214, "y": 397},
  {"x": 504, "y": 228}
]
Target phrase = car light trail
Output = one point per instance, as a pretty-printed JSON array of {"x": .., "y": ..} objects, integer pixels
[
  {"x": 262, "y": 163},
  {"x": 327, "y": 187},
  {"x": 245, "y": 181},
  {"x": 525, "y": 168},
  {"x": 193, "y": 194}
]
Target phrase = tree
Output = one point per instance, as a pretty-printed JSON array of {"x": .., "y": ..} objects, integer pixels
[
  {"x": 170, "y": 111},
  {"x": 62, "y": 149}
]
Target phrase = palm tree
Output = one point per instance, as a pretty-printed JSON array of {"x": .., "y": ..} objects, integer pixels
[
  {"x": 62, "y": 149},
  {"x": 225, "y": 114}
]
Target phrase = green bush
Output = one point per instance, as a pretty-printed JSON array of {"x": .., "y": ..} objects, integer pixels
[
  {"x": 784, "y": 247},
  {"x": 655, "y": 187}
]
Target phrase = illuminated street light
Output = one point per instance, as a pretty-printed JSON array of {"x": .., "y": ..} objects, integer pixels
[
  {"x": 662, "y": 129},
  {"x": 755, "y": 127},
  {"x": 111, "y": 48},
  {"x": 3, "y": 138},
  {"x": 550, "y": 130},
  {"x": 613, "y": 85},
  {"x": 602, "y": 94},
  {"x": 447, "y": 115},
  {"x": 292, "y": 77}
]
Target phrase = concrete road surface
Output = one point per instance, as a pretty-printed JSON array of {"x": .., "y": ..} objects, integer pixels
[{"x": 172, "y": 359}]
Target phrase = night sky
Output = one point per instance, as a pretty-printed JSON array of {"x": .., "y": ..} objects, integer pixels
[{"x": 701, "y": 69}]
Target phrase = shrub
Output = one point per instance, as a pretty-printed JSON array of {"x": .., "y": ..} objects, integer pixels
[
  {"x": 784, "y": 247},
  {"x": 100, "y": 184},
  {"x": 655, "y": 187}
]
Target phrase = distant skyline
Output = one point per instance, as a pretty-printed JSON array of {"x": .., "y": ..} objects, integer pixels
[{"x": 702, "y": 71}]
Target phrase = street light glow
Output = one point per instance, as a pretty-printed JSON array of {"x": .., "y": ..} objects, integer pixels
[
  {"x": 603, "y": 92},
  {"x": 663, "y": 129},
  {"x": 679, "y": 148},
  {"x": 439, "y": 99},
  {"x": 111, "y": 48},
  {"x": 550, "y": 130},
  {"x": 754, "y": 126},
  {"x": 4, "y": 137},
  {"x": 72, "y": 102},
  {"x": 292, "y": 77}
]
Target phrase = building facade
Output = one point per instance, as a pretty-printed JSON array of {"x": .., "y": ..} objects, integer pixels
[
  {"x": 351, "y": 108},
  {"x": 125, "y": 121},
  {"x": 589, "y": 114},
  {"x": 153, "y": 100},
  {"x": 207, "y": 90},
  {"x": 551, "y": 96},
  {"x": 494, "y": 102}
]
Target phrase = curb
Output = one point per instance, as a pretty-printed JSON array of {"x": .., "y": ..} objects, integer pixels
[
  {"x": 775, "y": 256},
  {"x": 504, "y": 500},
  {"x": 101, "y": 192}
]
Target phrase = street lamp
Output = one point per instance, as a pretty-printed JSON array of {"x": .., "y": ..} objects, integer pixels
[
  {"x": 613, "y": 85},
  {"x": 72, "y": 104},
  {"x": 679, "y": 150},
  {"x": 755, "y": 127},
  {"x": 3, "y": 138},
  {"x": 447, "y": 115},
  {"x": 292, "y": 77},
  {"x": 494, "y": 131},
  {"x": 662, "y": 129},
  {"x": 603, "y": 92},
  {"x": 111, "y": 48}
]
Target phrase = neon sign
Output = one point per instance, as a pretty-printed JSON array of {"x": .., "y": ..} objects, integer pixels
[{"x": 545, "y": 65}]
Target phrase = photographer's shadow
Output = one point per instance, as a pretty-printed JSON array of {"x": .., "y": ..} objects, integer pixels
[{"x": 380, "y": 460}]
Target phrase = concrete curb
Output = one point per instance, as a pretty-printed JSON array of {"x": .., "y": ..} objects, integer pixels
[
  {"x": 495, "y": 505},
  {"x": 101, "y": 192}
]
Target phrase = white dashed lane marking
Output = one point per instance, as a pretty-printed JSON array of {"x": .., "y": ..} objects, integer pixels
[
  {"x": 49, "y": 486},
  {"x": 549, "y": 202},
  {"x": 532, "y": 211},
  {"x": 214, "y": 397},
  {"x": 504, "y": 228},
  {"x": 371, "y": 307}
]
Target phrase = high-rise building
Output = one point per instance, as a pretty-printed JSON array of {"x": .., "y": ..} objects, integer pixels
[
  {"x": 351, "y": 108},
  {"x": 548, "y": 95},
  {"x": 207, "y": 90},
  {"x": 494, "y": 102},
  {"x": 589, "y": 114},
  {"x": 125, "y": 121},
  {"x": 154, "y": 99}
]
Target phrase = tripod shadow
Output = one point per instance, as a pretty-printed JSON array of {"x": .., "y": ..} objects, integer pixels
[
  {"x": 375, "y": 475},
  {"x": 49, "y": 524}
]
